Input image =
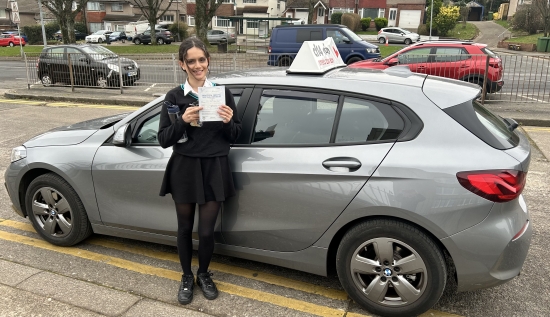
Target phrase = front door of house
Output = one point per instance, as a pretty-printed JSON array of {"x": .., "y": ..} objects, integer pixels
[
  {"x": 320, "y": 15},
  {"x": 392, "y": 17}
]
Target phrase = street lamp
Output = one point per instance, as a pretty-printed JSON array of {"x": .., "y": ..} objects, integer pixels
[
  {"x": 42, "y": 23},
  {"x": 431, "y": 19}
]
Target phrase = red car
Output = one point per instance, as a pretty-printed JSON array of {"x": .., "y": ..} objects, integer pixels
[
  {"x": 10, "y": 40},
  {"x": 458, "y": 60}
]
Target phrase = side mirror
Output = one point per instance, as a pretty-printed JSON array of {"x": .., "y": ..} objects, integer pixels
[
  {"x": 392, "y": 62},
  {"x": 346, "y": 40},
  {"x": 83, "y": 59},
  {"x": 123, "y": 136}
]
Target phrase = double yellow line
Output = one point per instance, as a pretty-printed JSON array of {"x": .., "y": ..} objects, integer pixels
[
  {"x": 66, "y": 104},
  {"x": 278, "y": 300}
]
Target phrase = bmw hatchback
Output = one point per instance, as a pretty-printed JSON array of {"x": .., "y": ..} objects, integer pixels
[{"x": 391, "y": 177}]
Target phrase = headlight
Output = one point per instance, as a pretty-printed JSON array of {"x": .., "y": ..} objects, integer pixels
[
  {"x": 18, "y": 153},
  {"x": 113, "y": 67},
  {"x": 371, "y": 50},
  {"x": 136, "y": 65}
]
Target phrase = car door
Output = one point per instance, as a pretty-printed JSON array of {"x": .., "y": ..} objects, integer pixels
[
  {"x": 451, "y": 62},
  {"x": 417, "y": 59},
  {"x": 57, "y": 65},
  {"x": 302, "y": 157},
  {"x": 127, "y": 179},
  {"x": 146, "y": 37},
  {"x": 81, "y": 65}
]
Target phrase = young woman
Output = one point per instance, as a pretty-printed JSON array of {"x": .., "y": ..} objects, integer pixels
[{"x": 198, "y": 172}]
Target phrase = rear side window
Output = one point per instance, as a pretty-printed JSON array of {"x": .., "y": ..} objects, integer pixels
[
  {"x": 308, "y": 35},
  {"x": 490, "y": 128},
  {"x": 286, "y": 36}
]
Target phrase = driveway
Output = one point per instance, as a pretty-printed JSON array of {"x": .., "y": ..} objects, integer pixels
[{"x": 489, "y": 32}]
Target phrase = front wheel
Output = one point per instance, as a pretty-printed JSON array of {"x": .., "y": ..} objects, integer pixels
[
  {"x": 391, "y": 268},
  {"x": 56, "y": 212},
  {"x": 12, "y": 44},
  {"x": 100, "y": 40},
  {"x": 353, "y": 60},
  {"x": 160, "y": 41},
  {"x": 137, "y": 41},
  {"x": 408, "y": 41}
]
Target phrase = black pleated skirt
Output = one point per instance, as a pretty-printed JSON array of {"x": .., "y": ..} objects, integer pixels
[{"x": 197, "y": 179}]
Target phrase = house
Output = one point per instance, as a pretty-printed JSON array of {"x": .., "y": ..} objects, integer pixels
[
  {"x": 224, "y": 10},
  {"x": 514, "y": 5},
  {"x": 28, "y": 12},
  {"x": 258, "y": 9},
  {"x": 406, "y": 14}
]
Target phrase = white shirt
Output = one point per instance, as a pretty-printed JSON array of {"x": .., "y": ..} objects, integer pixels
[{"x": 187, "y": 88}]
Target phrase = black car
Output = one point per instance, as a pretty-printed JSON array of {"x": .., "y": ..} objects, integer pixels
[
  {"x": 92, "y": 65},
  {"x": 116, "y": 36},
  {"x": 163, "y": 37},
  {"x": 79, "y": 36}
]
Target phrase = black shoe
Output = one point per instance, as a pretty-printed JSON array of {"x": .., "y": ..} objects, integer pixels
[
  {"x": 207, "y": 286},
  {"x": 185, "y": 294}
]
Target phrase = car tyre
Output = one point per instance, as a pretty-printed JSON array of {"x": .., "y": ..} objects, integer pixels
[
  {"x": 391, "y": 268},
  {"x": 100, "y": 40},
  {"x": 12, "y": 44},
  {"x": 101, "y": 81},
  {"x": 137, "y": 41},
  {"x": 56, "y": 212},
  {"x": 381, "y": 40},
  {"x": 408, "y": 41},
  {"x": 284, "y": 61},
  {"x": 160, "y": 41},
  {"x": 46, "y": 80},
  {"x": 353, "y": 60}
]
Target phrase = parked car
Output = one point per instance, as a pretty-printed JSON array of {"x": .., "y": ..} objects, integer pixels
[
  {"x": 452, "y": 59},
  {"x": 11, "y": 40},
  {"x": 79, "y": 36},
  {"x": 219, "y": 36},
  {"x": 98, "y": 37},
  {"x": 397, "y": 35},
  {"x": 286, "y": 40},
  {"x": 92, "y": 65},
  {"x": 163, "y": 37},
  {"x": 16, "y": 33},
  {"x": 398, "y": 180},
  {"x": 118, "y": 36}
]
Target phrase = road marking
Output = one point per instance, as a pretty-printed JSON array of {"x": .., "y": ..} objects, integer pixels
[
  {"x": 535, "y": 99},
  {"x": 232, "y": 289},
  {"x": 536, "y": 129},
  {"x": 152, "y": 86},
  {"x": 68, "y": 104},
  {"x": 250, "y": 274},
  {"x": 248, "y": 293}
]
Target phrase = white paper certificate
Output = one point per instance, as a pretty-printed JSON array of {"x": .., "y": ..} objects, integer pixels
[{"x": 210, "y": 99}]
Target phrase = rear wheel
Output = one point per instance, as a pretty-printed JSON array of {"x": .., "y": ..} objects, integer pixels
[
  {"x": 381, "y": 40},
  {"x": 408, "y": 41},
  {"x": 391, "y": 268},
  {"x": 160, "y": 41},
  {"x": 101, "y": 81},
  {"x": 56, "y": 212},
  {"x": 46, "y": 80},
  {"x": 137, "y": 41},
  {"x": 285, "y": 61}
]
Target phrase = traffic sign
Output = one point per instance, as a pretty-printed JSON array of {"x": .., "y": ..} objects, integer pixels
[
  {"x": 14, "y": 7},
  {"x": 15, "y": 17}
]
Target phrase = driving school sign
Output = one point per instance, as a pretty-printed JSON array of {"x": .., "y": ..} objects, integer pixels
[{"x": 317, "y": 57}]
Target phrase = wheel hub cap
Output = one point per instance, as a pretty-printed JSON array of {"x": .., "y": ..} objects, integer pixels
[{"x": 387, "y": 272}]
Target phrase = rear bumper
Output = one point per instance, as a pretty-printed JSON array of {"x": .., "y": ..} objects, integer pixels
[{"x": 493, "y": 251}]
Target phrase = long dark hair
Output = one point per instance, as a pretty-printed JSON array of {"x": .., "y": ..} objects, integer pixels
[{"x": 189, "y": 43}]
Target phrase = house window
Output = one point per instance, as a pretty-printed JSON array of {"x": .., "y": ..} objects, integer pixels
[
  {"x": 120, "y": 27},
  {"x": 190, "y": 1},
  {"x": 167, "y": 18},
  {"x": 3, "y": 14},
  {"x": 183, "y": 18},
  {"x": 321, "y": 12},
  {"x": 94, "y": 27},
  {"x": 95, "y": 6},
  {"x": 227, "y": 1},
  {"x": 220, "y": 22},
  {"x": 191, "y": 20},
  {"x": 249, "y": 1},
  {"x": 116, "y": 7},
  {"x": 252, "y": 24},
  {"x": 74, "y": 6},
  {"x": 381, "y": 12}
]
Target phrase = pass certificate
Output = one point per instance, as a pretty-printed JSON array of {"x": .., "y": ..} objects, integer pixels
[{"x": 210, "y": 99}]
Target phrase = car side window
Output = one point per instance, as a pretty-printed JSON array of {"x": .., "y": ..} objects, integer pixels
[
  {"x": 56, "y": 53},
  {"x": 147, "y": 133},
  {"x": 365, "y": 120},
  {"x": 337, "y": 36},
  {"x": 75, "y": 54},
  {"x": 450, "y": 54},
  {"x": 419, "y": 55},
  {"x": 292, "y": 117}
]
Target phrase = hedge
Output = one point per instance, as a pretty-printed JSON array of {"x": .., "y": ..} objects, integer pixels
[
  {"x": 365, "y": 24},
  {"x": 336, "y": 18}
]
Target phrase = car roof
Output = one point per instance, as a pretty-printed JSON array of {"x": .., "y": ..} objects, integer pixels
[{"x": 310, "y": 26}]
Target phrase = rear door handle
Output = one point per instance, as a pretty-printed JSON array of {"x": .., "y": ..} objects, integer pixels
[{"x": 342, "y": 164}]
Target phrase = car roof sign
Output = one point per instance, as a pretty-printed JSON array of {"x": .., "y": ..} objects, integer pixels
[{"x": 316, "y": 57}]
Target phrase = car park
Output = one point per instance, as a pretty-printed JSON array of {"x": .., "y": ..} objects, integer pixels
[
  {"x": 163, "y": 37},
  {"x": 92, "y": 65},
  {"x": 462, "y": 60},
  {"x": 220, "y": 36},
  {"x": 286, "y": 41},
  {"x": 397, "y": 180},
  {"x": 17, "y": 33},
  {"x": 11, "y": 40},
  {"x": 397, "y": 35},
  {"x": 98, "y": 37}
]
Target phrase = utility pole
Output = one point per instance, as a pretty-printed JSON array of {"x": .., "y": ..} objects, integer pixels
[
  {"x": 431, "y": 19},
  {"x": 42, "y": 23}
]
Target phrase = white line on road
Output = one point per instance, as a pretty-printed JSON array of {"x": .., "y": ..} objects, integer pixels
[
  {"x": 523, "y": 96},
  {"x": 152, "y": 86}
]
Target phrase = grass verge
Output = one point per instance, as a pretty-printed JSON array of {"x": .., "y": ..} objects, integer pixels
[{"x": 463, "y": 31}]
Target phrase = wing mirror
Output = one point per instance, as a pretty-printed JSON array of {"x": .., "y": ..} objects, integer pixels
[
  {"x": 392, "y": 62},
  {"x": 346, "y": 40},
  {"x": 83, "y": 59},
  {"x": 123, "y": 136}
]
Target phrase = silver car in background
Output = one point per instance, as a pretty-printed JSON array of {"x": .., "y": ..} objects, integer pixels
[
  {"x": 397, "y": 180},
  {"x": 219, "y": 36},
  {"x": 397, "y": 35}
]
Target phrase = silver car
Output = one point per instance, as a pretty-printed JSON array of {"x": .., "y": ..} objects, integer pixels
[
  {"x": 219, "y": 36},
  {"x": 397, "y": 180},
  {"x": 397, "y": 35}
]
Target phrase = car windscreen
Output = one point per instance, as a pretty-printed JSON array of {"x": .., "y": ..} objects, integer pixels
[
  {"x": 484, "y": 124},
  {"x": 351, "y": 35},
  {"x": 98, "y": 52}
]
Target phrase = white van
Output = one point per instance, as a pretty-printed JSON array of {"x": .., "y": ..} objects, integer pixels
[{"x": 134, "y": 28}]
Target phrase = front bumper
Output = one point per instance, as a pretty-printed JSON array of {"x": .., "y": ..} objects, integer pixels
[
  {"x": 494, "y": 86},
  {"x": 493, "y": 251},
  {"x": 12, "y": 179}
]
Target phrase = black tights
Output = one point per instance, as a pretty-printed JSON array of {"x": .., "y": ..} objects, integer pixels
[{"x": 208, "y": 213}]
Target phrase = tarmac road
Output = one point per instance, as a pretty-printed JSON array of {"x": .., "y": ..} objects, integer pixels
[{"x": 122, "y": 277}]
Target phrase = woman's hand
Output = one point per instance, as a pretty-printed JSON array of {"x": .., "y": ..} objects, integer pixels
[
  {"x": 191, "y": 114},
  {"x": 226, "y": 113}
]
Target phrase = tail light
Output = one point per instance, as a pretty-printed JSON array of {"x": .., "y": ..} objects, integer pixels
[
  {"x": 496, "y": 63},
  {"x": 379, "y": 31},
  {"x": 37, "y": 62},
  {"x": 232, "y": 35},
  {"x": 494, "y": 185},
  {"x": 269, "y": 49}
]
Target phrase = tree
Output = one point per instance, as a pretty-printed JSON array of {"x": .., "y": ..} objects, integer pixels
[
  {"x": 543, "y": 7},
  {"x": 446, "y": 19},
  {"x": 310, "y": 11},
  {"x": 437, "y": 6},
  {"x": 65, "y": 15},
  {"x": 205, "y": 11},
  {"x": 152, "y": 11}
]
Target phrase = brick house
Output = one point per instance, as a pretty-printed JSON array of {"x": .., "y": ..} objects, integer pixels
[
  {"x": 28, "y": 14},
  {"x": 225, "y": 9},
  {"x": 406, "y": 14}
]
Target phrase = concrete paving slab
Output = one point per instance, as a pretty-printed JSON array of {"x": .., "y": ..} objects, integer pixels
[
  {"x": 81, "y": 294},
  {"x": 12, "y": 273},
  {"x": 15, "y": 303},
  {"x": 149, "y": 308}
]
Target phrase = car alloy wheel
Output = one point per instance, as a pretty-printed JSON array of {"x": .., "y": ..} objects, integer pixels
[
  {"x": 11, "y": 44},
  {"x": 137, "y": 41},
  {"x": 46, "y": 80},
  {"x": 101, "y": 82},
  {"x": 391, "y": 268},
  {"x": 408, "y": 41},
  {"x": 160, "y": 41},
  {"x": 100, "y": 40},
  {"x": 353, "y": 60},
  {"x": 285, "y": 61},
  {"x": 381, "y": 40},
  {"x": 55, "y": 210}
]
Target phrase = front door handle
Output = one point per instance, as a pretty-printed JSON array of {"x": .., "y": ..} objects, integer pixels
[{"x": 342, "y": 164}]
